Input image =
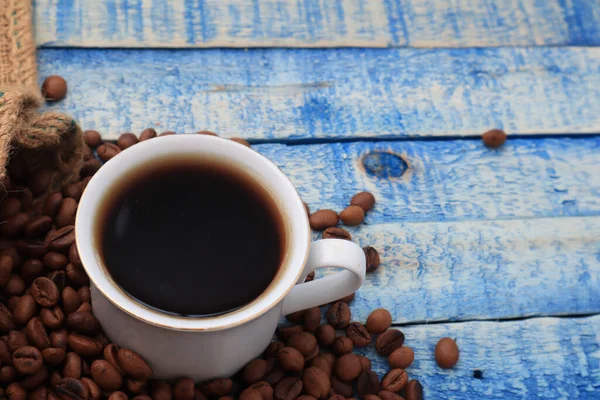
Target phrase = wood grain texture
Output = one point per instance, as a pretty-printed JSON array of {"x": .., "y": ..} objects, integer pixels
[
  {"x": 454, "y": 180},
  {"x": 543, "y": 358},
  {"x": 338, "y": 93},
  {"x": 314, "y": 23}
]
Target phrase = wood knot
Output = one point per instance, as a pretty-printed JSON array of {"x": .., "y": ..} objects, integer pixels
[{"x": 384, "y": 165}]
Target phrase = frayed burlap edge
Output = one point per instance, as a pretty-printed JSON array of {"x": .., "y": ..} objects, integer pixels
[{"x": 29, "y": 140}]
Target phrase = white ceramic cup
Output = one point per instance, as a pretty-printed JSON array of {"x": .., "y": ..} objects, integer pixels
[{"x": 215, "y": 346}]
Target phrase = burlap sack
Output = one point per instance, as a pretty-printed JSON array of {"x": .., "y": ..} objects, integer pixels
[{"x": 27, "y": 138}]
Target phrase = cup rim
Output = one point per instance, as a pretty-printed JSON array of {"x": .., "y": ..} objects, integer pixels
[{"x": 270, "y": 176}]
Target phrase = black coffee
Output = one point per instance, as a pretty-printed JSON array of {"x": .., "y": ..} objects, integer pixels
[{"x": 190, "y": 237}]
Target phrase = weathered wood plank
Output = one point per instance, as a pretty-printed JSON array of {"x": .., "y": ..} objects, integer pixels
[
  {"x": 544, "y": 358},
  {"x": 340, "y": 93},
  {"x": 482, "y": 269},
  {"x": 314, "y": 23},
  {"x": 424, "y": 181}
]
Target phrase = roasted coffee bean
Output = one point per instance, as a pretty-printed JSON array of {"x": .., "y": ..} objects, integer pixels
[
  {"x": 15, "y": 286},
  {"x": 52, "y": 204},
  {"x": 14, "y": 391},
  {"x": 352, "y": 215},
  {"x": 7, "y": 374},
  {"x": 40, "y": 180},
  {"x": 387, "y": 395},
  {"x": 161, "y": 390},
  {"x": 290, "y": 359},
  {"x": 35, "y": 211},
  {"x": 26, "y": 197},
  {"x": 340, "y": 387},
  {"x": 136, "y": 386},
  {"x": 348, "y": 367},
  {"x": 59, "y": 278},
  {"x": 364, "y": 200},
  {"x": 310, "y": 277},
  {"x": 494, "y": 138},
  {"x": 325, "y": 335},
  {"x": 32, "y": 248},
  {"x": 336, "y": 397},
  {"x": 92, "y": 138},
  {"x": 413, "y": 390},
  {"x": 265, "y": 390},
  {"x": 38, "y": 227},
  {"x": 250, "y": 394},
  {"x": 107, "y": 151},
  {"x": 118, "y": 395},
  {"x": 389, "y": 341},
  {"x": 274, "y": 376},
  {"x": 6, "y": 267},
  {"x": 254, "y": 371},
  {"x": 324, "y": 361},
  {"x": 184, "y": 389},
  {"x": 336, "y": 233},
  {"x": 66, "y": 213},
  {"x": 133, "y": 364},
  {"x": 40, "y": 393},
  {"x": 284, "y": 333},
  {"x": 77, "y": 275},
  {"x": 167, "y": 133},
  {"x": 73, "y": 190},
  {"x": 62, "y": 239},
  {"x": 127, "y": 140},
  {"x": 217, "y": 387},
  {"x": 288, "y": 389},
  {"x": 72, "y": 367},
  {"x": 272, "y": 349},
  {"x": 83, "y": 322},
  {"x": 84, "y": 183},
  {"x": 36, "y": 333},
  {"x": 59, "y": 338},
  {"x": 111, "y": 354},
  {"x": 13, "y": 253},
  {"x": 395, "y": 380},
  {"x": 401, "y": 358},
  {"x": 70, "y": 300},
  {"x": 24, "y": 310},
  {"x": 365, "y": 364},
  {"x": 311, "y": 319},
  {"x": 209, "y": 133},
  {"x": 379, "y": 321},
  {"x": 12, "y": 302},
  {"x": 53, "y": 355},
  {"x": 44, "y": 292},
  {"x": 93, "y": 388},
  {"x": 35, "y": 380},
  {"x": 368, "y": 383},
  {"x": 295, "y": 317},
  {"x": 339, "y": 315},
  {"x": 105, "y": 375},
  {"x": 84, "y": 346},
  {"x": 370, "y": 397},
  {"x": 241, "y": 141},
  {"x": 74, "y": 255},
  {"x": 90, "y": 167},
  {"x": 342, "y": 345},
  {"x": 52, "y": 395},
  {"x": 305, "y": 343},
  {"x": 54, "y": 260},
  {"x": 323, "y": 219},
  {"x": 15, "y": 340},
  {"x": 316, "y": 382},
  {"x": 27, "y": 360},
  {"x": 446, "y": 353},
  {"x": 15, "y": 225},
  {"x": 31, "y": 269},
  {"x": 358, "y": 334},
  {"x": 72, "y": 389},
  {"x": 9, "y": 207},
  {"x": 54, "y": 88},
  {"x": 372, "y": 257},
  {"x": 148, "y": 133}
]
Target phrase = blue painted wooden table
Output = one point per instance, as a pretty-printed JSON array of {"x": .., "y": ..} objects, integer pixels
[{"x": 497, "y": 248}]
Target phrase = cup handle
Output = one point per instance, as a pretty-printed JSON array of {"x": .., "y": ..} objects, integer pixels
[{"x": 328, "y": 253}]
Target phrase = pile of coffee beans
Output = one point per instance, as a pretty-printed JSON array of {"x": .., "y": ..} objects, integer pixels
[{"x": 52, "y": 347}]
